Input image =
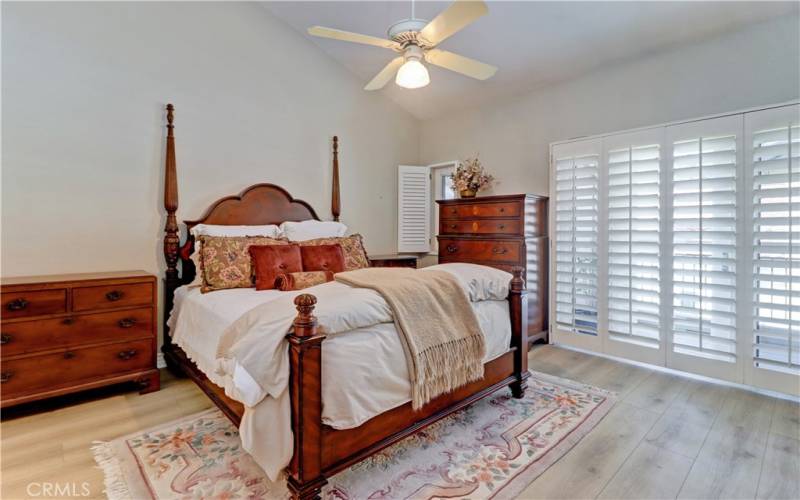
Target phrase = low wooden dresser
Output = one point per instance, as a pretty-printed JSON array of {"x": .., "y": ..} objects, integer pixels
[
  {"x": 393, "y": 260},
  {"x": 503, "y": 232},
  {"x": 66, "y": 333}
]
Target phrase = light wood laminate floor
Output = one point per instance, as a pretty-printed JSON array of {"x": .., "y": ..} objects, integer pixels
[{"x": 667, "y": 437}]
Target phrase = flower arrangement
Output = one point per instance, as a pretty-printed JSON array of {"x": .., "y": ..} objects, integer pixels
[{"x": 470, "y": 177}]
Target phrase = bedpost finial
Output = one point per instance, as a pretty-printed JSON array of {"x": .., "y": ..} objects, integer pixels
[
  {"x": 335, "y": 144},
  {"x": 517, "y": 281},
  {"x": 336, "y": 203},
  {"x": 170, "y": 116},
  {"x": 305, "y": 321}
]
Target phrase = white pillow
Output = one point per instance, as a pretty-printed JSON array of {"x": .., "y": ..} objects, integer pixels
[
  {"x": 312, "y": 229},
  {"x": 270, "y": 230},
  {"x": 480, "y": 282}
]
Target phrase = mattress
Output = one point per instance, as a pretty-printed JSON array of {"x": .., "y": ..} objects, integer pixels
[{"x": 364, "y": 371}]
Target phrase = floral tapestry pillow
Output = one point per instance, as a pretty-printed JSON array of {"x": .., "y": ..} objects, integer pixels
[
  {"x": 355, "y": 257},
  {"x": 227, "y": 262}
]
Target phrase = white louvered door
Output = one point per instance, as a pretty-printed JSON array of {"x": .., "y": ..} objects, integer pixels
[
  {"x": 631, "y": 220},
  {"x": 413, "y": 209},
  {"x": 575, "y": 216},
  {"x": 772, "y": 158},
  {"x": 705, "y": 212}
]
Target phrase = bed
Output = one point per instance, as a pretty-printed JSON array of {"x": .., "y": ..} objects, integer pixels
[{"x": 366, "y": 406}]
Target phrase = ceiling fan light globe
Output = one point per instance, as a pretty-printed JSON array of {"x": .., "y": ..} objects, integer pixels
[{"x": 412, "y": 75}]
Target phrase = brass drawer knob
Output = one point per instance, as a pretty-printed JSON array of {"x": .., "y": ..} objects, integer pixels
[
  {"x": 452, "y": 248},
  {"x": 502, "y": 210},
  {"x": 5, "y": 377},
  {"x": 17, "y": 305},
  {"x": 501, "y": 226},
  {"x": 453, "y": 226},
  {"x": 114, "y": 295},
  {"x": 499, "y": 250},
  {"x": 126, "y": 355},
  {"x": 5, "y": 339},
  {"x": 67, "y": 321},
  {"x": 69, "y": 355},
  {"x": 126, "y": 322}
]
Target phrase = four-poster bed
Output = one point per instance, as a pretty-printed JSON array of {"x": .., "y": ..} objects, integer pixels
[{"x": 319, "y": 450}]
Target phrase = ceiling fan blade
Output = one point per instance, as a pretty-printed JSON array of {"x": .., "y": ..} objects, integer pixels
[
  {"x": 460, "y": 64},
  {"x": 347, "y": 36},
  {"x": 454, "y": 18},
  {"x": 386, "y": 74}
]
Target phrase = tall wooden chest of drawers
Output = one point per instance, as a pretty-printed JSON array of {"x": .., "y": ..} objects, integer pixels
[
  {"x": 503, "y": 232},
  {"x": 62, "y": 334}
]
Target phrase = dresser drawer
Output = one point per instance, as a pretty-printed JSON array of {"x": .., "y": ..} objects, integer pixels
[
  {"x": 470, "y": 210},
  {"x": 38, "y": 335},
  {"x": 110, "y": 296},
  {"x": 49, "y": 371},
  {"x": 34, "y": 303},
  {"x": 480, "y": 226},
  {"x": 463, "y": 250}
]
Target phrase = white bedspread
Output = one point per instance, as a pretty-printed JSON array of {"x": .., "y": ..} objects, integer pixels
[{"x": 366, "y": 366}]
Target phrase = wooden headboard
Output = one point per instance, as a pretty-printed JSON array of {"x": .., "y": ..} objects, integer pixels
[{"x": 258, "y": 204}]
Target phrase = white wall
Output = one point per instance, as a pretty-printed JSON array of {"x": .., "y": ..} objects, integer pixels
[
  {"x": 756, "y": 66},
  {"x": 83, "y": 91}
]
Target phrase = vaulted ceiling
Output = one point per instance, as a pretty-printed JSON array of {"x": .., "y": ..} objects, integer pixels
[{"x": 533, "y": 43}]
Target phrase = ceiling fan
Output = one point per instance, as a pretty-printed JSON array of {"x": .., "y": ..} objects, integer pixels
[{"x": 416, "y": 40}]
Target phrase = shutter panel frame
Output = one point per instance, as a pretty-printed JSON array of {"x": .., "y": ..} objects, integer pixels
[{"x": 413, "y": 209}]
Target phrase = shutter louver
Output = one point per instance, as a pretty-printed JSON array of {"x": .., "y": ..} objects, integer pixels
[
  {"x": 776, "y": 252},
  {"x": 704, "y": 247},
  {"x": 576, "y": 243},
  {"x": 633, "y": 245},
  {"x": 413, "y": 209}
]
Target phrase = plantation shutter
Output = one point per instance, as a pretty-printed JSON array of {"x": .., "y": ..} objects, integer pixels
[
  {"x": 413, "y": 209},
  {"x": 776, "y": 247},
  {"x": 633, "y": 211},
  {"x": 704, "y": 205},
  {"x": 576, "y": 238}
]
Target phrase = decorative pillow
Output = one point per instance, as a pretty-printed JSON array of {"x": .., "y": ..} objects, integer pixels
[
  {"x": 298, "y": 281},
  {"x": 323, "y": 258},
  {"x": 268, "y": 230},
  {"x": 355, "y": 257},
  {"x": 226, "y": 262},
  {"x": 311, "y": 229},
  {"x": 271, "y": 260}
]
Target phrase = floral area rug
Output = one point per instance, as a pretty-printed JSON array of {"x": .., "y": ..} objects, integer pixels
[{"x": 492, "y": 449}]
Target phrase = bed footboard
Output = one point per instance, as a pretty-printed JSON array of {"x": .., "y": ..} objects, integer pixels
[{"x": 305, "y": 479}]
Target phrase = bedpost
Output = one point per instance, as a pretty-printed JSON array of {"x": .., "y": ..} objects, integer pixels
[
  {"x": 335, "y": 199},
  {"x": 518, "y": 307},
  {"x": 305, "y": 479},
  {"x": 171, "y": 237}
]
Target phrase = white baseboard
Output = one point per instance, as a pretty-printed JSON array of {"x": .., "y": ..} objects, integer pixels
[{"x": 671, "y": 371}]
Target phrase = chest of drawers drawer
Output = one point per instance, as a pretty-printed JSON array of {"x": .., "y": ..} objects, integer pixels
[
  {"x": 481, "y": 226},
  {"x": 36, "y": 335},
  {"x": 111, "y": 296},
  {"x": 25, "y": 304},
  {"x": 460, "y": 250},
  {"x": 48, "y": 371},
  {"x": 481, "y": 209}
]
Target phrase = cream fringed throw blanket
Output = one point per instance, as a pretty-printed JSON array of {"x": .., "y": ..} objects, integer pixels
[{"x": 443, "y": 342}]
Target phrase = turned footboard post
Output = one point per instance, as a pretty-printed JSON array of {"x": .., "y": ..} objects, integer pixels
[
  {"x": 305, "y": 479},
  {"x": 518, "y": 307}
]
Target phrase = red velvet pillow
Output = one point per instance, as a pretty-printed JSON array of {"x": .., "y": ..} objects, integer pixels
[
  {"x": 271, "y": 260},
  {"x": 323, "y": 258}
]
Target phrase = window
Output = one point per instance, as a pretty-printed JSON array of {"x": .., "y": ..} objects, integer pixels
[
  {"x": 576, "y": 242},
  {"x": 679, "y": 246},
  {"x": 776, "y": 248}
]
